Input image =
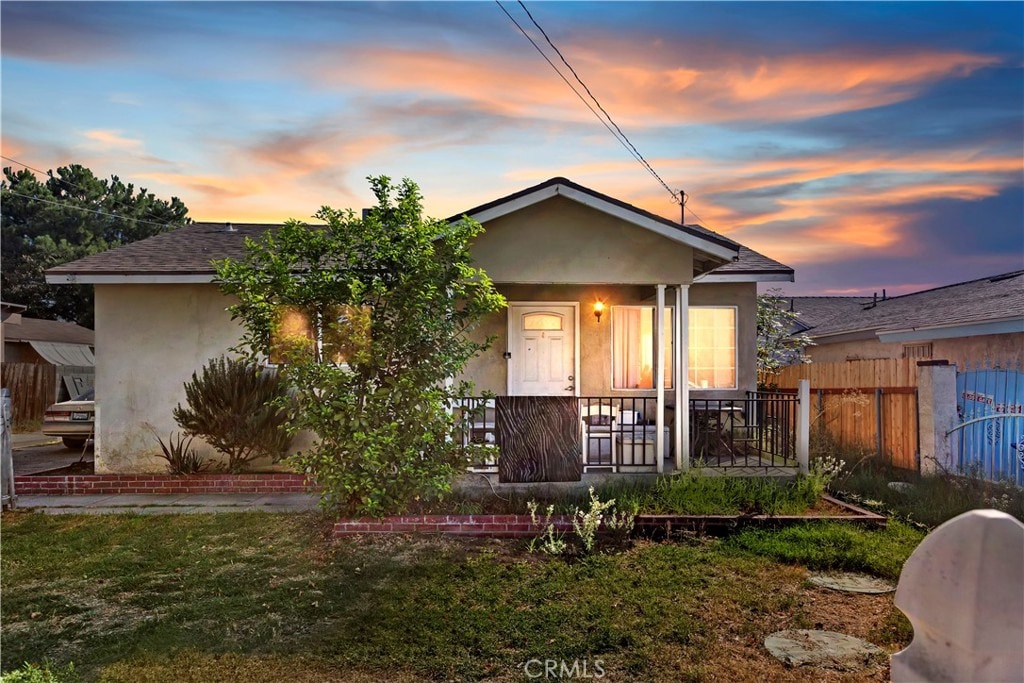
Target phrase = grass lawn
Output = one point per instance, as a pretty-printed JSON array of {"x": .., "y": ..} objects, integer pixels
[{"x": 261, "y": 597}]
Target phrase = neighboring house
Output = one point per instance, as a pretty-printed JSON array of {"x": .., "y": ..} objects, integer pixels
[
  {"x": 559, "y": 252},
  {"x": 975, "y": 321},
  {"x": 32, "y": 340},
  {"x": 10, "y": 314}
]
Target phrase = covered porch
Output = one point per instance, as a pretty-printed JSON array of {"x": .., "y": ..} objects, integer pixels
[{"x": 529, "y": 439}]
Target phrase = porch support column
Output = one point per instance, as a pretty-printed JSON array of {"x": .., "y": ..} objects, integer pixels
[
  {"x": 659, "y": 379},
  {"x": 681, "y": 431}
]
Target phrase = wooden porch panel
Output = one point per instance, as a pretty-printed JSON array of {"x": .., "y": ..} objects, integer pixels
[{"x": 539, "y": 438}]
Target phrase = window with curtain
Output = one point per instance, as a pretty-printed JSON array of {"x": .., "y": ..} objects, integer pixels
[
  {"x": 633, "y": 347},
  {"x": 712, "y": 347}
]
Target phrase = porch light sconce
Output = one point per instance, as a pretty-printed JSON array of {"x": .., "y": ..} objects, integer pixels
[{"x": 598, "y": 310}]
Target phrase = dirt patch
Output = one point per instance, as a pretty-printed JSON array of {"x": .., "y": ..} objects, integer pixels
[
  {"x": 84, "y": 467},
  {"x": 781, "y": 598}
]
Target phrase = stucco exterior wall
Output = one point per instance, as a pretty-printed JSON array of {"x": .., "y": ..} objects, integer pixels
[
  {"x": 490, "y": 371},
  {"x": 1005, "y": 348},
  {"x": 149, "y": 341},
  {"x": 561, "y": 241}
]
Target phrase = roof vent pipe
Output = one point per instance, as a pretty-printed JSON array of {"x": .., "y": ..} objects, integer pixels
[{"x": 883, "y": 295}]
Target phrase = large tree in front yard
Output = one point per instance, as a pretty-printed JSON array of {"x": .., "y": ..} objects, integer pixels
[
  {"x": 68, "y": 215},
  {"x": 368, "y": 317}
]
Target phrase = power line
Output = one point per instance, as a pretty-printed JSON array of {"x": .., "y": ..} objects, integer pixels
[
  {"x": 82, "y": 208},
  {"x": 624, "y": 137},
  {"x": 45, "y": 173},
  {"x": 68, "y": 183},
  {"x": 562, "y": 76}
]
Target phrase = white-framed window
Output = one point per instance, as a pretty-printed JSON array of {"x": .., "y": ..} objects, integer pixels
[
  {"x": 633, "y": 347},
  {"x": 712, "y": 352},
  {"x": 335, "y": 334}
]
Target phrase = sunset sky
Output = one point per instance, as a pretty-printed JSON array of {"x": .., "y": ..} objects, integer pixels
[{"x": 867, "y": 145}]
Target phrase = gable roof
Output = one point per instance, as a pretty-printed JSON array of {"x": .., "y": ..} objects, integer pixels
[
  {"x": 35, "y": 329},
  {"x": 185, "y": 254},
  {"x": 990, "y": 305}
]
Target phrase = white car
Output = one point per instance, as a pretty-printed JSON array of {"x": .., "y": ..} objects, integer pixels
[{"x": 73, "y": 421}]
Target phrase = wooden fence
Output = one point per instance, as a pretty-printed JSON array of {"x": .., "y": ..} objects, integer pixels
[
  {"x": 866, "y": 404},
  {"x": 33, "y": 387}
]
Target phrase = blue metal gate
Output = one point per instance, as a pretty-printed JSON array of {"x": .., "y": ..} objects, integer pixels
[{"x": 989, "y": 441}]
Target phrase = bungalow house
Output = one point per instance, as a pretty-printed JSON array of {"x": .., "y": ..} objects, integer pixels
[
  {"x": 967, "y": 322},
  {"x": 605, "y": 299},
  {"x": 33, "y": 341}
]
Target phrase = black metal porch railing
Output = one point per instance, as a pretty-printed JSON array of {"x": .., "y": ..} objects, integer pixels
[
  {"x": 619, "y": 434},
  {"x": 476, "y": 432}
]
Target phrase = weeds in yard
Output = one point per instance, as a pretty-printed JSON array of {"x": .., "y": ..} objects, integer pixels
[
  {"x": 26, "y": 426},
  {"x": 694, "y": 493},
  {"x": 550, "y": 541},
  {"x": 587, "y": 524},
  {"x": 42, "y": 673},
  {"x": 927, "y": 500}
]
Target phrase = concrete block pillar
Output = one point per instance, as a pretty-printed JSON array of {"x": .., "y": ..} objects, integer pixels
[{"x": 936, "y": 408}]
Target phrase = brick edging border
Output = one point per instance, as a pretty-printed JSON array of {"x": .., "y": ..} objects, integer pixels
[
  {"x": 160, "y": 484},
  {"x": 520, "y": 526},
  {"x": 495, "y": 526}
]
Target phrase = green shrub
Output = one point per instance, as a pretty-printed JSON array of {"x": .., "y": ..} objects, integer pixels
[
  {"x": 44, "y": 673},
  {"x": 180, "y": 457},
  {"x": 237, "y": 407},
  {"x": 693, "y": 493}
]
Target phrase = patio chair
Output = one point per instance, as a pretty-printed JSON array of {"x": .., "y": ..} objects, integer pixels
[{"x": 597, "y": 423}]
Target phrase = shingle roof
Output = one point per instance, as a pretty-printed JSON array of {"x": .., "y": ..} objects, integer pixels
[
  {"x": 818, "y": 310},
  {"x": 189, "y": 250},
  {"x": 34, "y": 329},
  {"x": 996, "y": 298},
  {"x": 752, "y": 262}
]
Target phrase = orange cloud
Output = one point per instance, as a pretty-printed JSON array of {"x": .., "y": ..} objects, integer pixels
[
  {"x": 11, "y": 147},
  {"x": 644, "y": 89},
  {"x": 111, "y": 140}
]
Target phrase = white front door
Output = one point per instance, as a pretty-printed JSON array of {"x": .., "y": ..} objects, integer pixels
[{"x": 542, "y": 341}]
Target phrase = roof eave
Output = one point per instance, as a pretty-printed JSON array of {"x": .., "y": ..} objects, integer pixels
[
  {"x": 954, "y": 331},
  {"x": 758, "y": 276},
  {"x": 844, "y": 335},
  {"x": 127, "y": 278}
]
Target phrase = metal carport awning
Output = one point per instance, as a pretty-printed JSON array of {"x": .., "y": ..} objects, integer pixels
[{"x": 60, "y": 353}]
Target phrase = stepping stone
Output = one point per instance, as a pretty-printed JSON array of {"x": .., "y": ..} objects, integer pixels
[
  {"x": 852, "y": 583},
  {"x": 823, "y": 649},
  {"x": 901, "y": 486}
]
